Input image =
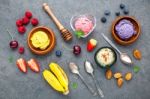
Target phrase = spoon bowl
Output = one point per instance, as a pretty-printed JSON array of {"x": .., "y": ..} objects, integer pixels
[
  {"x": 125, "y": 58},
  {"x": 88, "y": 67},
  {"x": 73, "y": 68}
]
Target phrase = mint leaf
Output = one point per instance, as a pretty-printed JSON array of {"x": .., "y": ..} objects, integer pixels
[
  {"x": 136, "y": 69},
  {"x": 74, "y": 85},
  {"x": 79, "y": 33},
  {"x": 10, "y": 59}
]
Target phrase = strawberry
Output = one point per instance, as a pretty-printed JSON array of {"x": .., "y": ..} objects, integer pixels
[
  {"x": 91, "y": 45},
  {"x": 34, "y": 66},
  {"x": 21, "y": 63}
]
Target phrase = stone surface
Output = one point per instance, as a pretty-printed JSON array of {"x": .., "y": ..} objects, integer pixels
[{"x": 15, "y": 85}]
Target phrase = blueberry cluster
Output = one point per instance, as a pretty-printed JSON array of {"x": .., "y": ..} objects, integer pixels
[{"x": 107, "y": 12}]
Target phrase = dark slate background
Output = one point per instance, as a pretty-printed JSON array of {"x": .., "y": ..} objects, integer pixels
[{"x": 16, "y": 85}]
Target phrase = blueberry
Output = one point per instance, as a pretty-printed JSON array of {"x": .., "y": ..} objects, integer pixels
[
  {"x": 103, "y": 19},
  {"x": 107, "y": 12},
  {"x": 58, "y": 53},
  {"x": 122, "y": 6},
  {"x": 117, "y": 13},
  {"x": 126, "y": 11}
]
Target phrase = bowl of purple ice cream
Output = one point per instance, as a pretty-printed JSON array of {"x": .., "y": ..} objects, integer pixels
[{"x": 125, "y": 30}]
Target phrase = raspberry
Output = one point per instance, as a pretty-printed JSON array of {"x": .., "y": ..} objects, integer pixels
[
  {"x": 28, "y": 14},
  {"x": 21, "y": 29},
  {"x": 34, "y": 21},
  {"x": 19, "y": 22},
  {"x": 21, "y": 50},
  {"x": 25, "y": 20}
]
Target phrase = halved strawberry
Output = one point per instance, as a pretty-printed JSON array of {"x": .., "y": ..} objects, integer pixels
[
  {"x": 91, "y": 45},
  {"x": 21, "y": 63},
  {"x": 34, "y": 66}
]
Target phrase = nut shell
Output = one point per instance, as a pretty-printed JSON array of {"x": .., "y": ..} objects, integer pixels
[
  {"x": 120, "y": 82},
  {"x": 137, "y": 54},
  {"x": 117, "y": 75},
  {"x": 108, "y": 74},
  {"x": 128, "y": 76}
]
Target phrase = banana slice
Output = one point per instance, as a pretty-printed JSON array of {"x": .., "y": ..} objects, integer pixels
[
  {"x": 61, "y": 76},
  {"x": 52, "y": 80}
]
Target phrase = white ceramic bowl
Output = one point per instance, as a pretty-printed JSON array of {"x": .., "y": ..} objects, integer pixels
[{"x": 74, "y": 18}]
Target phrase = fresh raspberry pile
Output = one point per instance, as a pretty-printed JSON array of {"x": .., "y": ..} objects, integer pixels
[{"x": 21, "y": 23}]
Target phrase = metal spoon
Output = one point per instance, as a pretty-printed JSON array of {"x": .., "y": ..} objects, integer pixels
[
  {"x": 74, "y": 69},
  {"x": 90, "y": 70},
  {"x": 123, "y": 56}
]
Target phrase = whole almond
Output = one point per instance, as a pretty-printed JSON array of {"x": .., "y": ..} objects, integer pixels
[
  {"x": 128, "y": 76},
  {"x": 117, "y": 75},
  {"x": 108, "y": 74},
  {"x": 137, "y": 54},
  {"x": 120, "y": 82}
]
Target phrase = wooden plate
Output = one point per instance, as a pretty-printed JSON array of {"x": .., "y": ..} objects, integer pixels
[
  {"x": 51, "y": 36},
  {"x": 133, "y": 38}
]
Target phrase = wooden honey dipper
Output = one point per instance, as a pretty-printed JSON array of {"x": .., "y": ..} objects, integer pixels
[{"x": 67, "y": 36}]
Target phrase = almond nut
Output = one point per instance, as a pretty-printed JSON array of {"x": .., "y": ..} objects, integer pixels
[
  {"x": 128, "y": 76},
  {"x": 137, "y": 54},
  {"x": 117, "y": 75},
  {"x": 108, "y": 74},
  {"x": 120, "y": 82}
]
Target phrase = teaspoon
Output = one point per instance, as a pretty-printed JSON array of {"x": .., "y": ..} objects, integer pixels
[
  {"x": 74, "y": 69},
  {"x": 89, "y": 69},
  {"x": 123, "y": 56}
]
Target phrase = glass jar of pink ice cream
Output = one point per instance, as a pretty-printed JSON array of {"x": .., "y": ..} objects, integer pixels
[{"x": 85, "y": 23}]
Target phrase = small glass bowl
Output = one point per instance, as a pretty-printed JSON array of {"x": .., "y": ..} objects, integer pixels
[{"x": 76, "y": 17}]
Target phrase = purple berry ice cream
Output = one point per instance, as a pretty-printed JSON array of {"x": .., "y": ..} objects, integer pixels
[{"x": 125, "y": 29}]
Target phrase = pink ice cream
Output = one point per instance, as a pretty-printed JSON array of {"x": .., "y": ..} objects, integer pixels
[
  {"x": 125, "y": 29},
  {"x": 84, "y": 24}
]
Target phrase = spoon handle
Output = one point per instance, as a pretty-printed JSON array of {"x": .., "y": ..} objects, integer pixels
[
  {"x": 110, "y": 43},
  {"x": 100, "y": 92},
  {"x": 90, "y": 88}
]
